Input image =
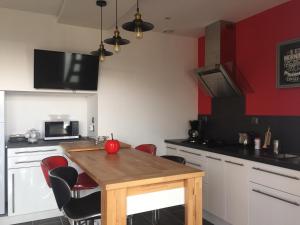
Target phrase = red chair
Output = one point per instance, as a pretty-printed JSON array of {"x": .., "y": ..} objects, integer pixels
[
  {"x": 148, "y": 148},
  {"x": 84, "y": 182}
]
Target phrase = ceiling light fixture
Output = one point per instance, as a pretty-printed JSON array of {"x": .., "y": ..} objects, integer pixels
[
  {"x": 116, "y": 40},
  {"x": 101, "y": 52},
  {"x": 138, "y": 25}
]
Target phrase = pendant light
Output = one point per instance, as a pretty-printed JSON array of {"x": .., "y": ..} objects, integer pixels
[
  {"x": 116, "y": 40},
  {"x": 101, "y": 52},
  {"x": 138, "y": 25}
]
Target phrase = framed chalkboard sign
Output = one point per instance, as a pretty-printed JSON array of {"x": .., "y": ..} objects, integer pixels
[{"x": 288, "y": 64}]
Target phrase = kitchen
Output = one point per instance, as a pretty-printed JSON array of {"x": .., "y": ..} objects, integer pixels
[{"x": 163, "y": 79}]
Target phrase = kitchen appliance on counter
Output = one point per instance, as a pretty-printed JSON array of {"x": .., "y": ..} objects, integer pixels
[
  {"x": 32, "y": 135},
  {"x": 16, "y": 138},
  {"x": 194, "y": 131},
  {"x": 61, "y": 130},
  {"x": 2, "y": 155}
]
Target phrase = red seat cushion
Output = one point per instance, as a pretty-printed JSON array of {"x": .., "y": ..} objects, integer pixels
[
  {"x": 148, "y": 148},
  {"x": 84, "y": 182}
]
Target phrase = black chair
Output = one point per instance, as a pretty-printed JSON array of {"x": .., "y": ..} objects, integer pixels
[
  {"x": 174, "y": 158},
  {"x": 85, "y": 209}
]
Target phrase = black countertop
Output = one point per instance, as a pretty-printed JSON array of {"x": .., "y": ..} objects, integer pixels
[
  {"x": 243, "y": 153},
  {"x": 40, "y": 143}
]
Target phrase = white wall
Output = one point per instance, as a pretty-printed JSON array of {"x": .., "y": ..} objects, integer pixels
[
  {"x": 146, "y": 93},
  {"x": 26, "y": 111}
]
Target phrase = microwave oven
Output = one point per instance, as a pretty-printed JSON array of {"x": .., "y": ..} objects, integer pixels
[{"x": 61, "y": 130}]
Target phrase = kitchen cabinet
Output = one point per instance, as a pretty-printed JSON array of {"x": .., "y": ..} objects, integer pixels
[
  {"x": 216, "y": 185},
  {"x": 27, "y": 189},
  {"x": 272, "y": 207},
  {"x": 236, "y": 186}
]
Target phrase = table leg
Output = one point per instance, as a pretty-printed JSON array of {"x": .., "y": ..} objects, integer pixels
[
  {"x": 193, "y": 201},
  {"x": 113, "y": 207}
]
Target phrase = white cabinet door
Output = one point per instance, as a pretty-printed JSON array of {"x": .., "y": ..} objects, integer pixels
[
  {"x": 272, "y": 207},
  {"x": 199, "y": 166},
  {"x": 28, "y": 192},
  {"x": 215, "y": 185},
  {"x": 236, "y": 186}
]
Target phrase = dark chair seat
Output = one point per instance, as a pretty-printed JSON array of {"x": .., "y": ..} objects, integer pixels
[
  {"x": 174, "y": 158},
  {"x": 85, "y": 207}
]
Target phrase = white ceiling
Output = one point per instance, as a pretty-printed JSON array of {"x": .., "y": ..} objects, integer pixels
[{"x": 188, "y": 17}]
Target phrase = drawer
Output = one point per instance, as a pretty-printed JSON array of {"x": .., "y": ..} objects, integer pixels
[
  {"x": 276, "y": 177},
  {"x": 44, "y": 150},
  {"x": 27, "y": 161},
  {"x": 272, "y": 207},
  {"x": 171, "y": 149},
  {"x": 190, "y": 153}
]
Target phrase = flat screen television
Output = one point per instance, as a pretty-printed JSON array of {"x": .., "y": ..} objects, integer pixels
[{"x": 61, "y": 70}]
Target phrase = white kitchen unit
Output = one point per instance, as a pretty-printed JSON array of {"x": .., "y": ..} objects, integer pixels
[
  {"x": 28, "y": 191},
  {"x": 243, "y": 192},
  {"x": 269, "y": 206},
  {"x": 236, "y": 194}
]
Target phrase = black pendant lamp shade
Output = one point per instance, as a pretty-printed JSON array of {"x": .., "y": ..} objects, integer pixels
[
  {"x": 116, "y": 40},
  {"x": 138, "y": 25},
  {"x": 101, "y": 52}
]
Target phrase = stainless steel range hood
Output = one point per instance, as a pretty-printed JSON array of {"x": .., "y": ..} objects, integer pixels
[{"x": 217, "y": 76}]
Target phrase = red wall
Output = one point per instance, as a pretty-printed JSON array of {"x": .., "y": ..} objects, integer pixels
[{"x": 256, "y": 41}]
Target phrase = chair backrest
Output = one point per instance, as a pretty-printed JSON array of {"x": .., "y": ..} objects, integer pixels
[
  {"x": 148, "y": 148},
  {"x": 51, "y": 163},
  {"x": 63, "y": 179},
  {"x": 174, "y": 158}
]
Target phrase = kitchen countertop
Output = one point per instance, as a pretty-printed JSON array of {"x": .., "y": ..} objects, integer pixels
[
  {"x": 242, "y": 153},
  {"x": 40, "y": 143}
]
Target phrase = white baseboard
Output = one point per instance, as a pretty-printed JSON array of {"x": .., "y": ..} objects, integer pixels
[{"x": 8, "y": 220}]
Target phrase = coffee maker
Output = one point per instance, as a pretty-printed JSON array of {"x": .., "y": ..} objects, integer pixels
[{"x": 194, "y": 131}]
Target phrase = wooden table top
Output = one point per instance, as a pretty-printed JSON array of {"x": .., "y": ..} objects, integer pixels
[
  {"x": 86, "y": 145},
  {"x": 129, "y": 168}
]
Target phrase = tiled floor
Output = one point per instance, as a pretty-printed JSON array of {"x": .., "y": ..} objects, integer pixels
[{"x": 169, "y": 216}]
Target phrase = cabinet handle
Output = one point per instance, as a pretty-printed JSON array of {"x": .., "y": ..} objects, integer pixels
[
  {"x": 210, "y": 157},
  {"x": 275, "y": 173},
  {"x": 275, "y": 197},
  {"x": 171, "y": 148},
  {"x": 234, "y": 163},
  {"x": 50, "y": 150},
  {"x": 25, "y": 162},
  {"x": 192, "y": 153},
  {"x": 13, "y": 193},
  {"x": 195, "y": 164}
]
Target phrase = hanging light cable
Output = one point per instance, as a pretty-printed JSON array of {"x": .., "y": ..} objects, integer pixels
[
  {"x": 101, "y": 52},
  {"x": 138, "y": 25},
  {"x": 116, "y": 40}
]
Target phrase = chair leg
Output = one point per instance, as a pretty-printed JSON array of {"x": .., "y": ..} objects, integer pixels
[
  {"x": 130, "y": 220},
  {"x": 155, "y": 217}
]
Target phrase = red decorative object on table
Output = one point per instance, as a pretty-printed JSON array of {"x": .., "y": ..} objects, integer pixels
[{"x": 112, "y": 146}]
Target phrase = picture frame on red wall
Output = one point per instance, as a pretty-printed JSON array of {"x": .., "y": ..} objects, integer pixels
[{"x": 288, "y": 64}]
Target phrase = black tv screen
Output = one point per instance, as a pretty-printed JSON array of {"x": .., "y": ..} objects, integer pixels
[{"x": 61, "y": 70}]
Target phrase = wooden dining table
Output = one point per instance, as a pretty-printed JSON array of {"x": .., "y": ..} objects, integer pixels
[{"x": 132, "y": 181}]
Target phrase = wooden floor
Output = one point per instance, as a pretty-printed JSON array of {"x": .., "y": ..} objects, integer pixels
[{"x": 169, "y": 216}]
